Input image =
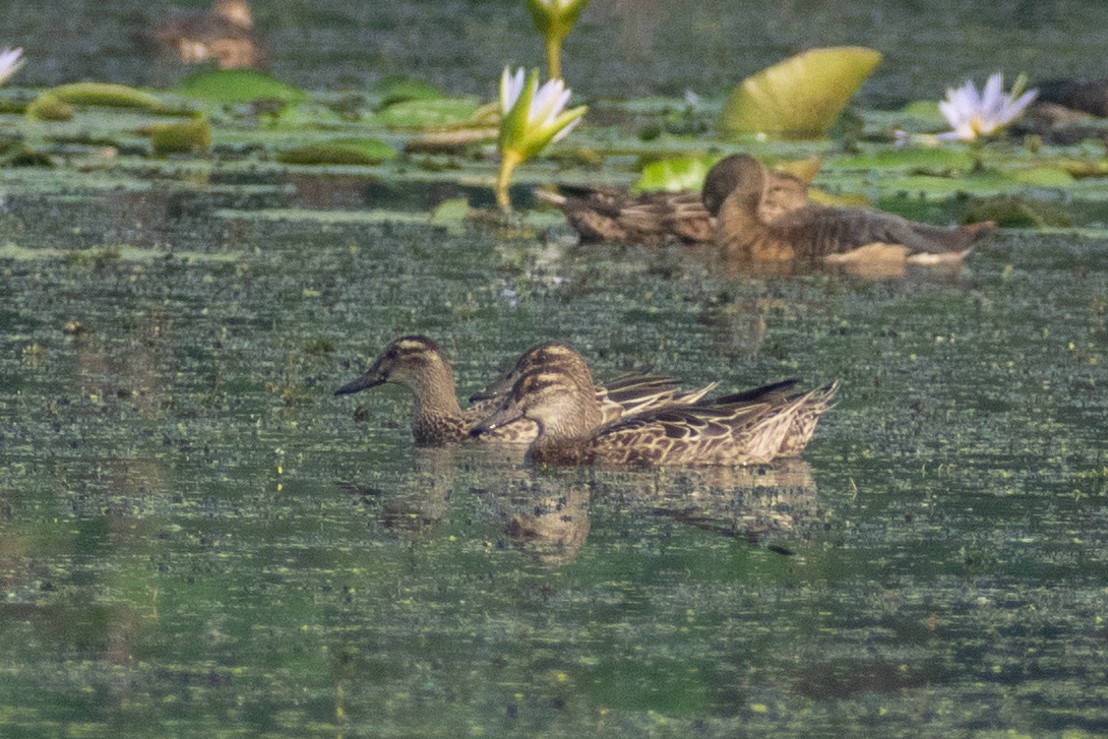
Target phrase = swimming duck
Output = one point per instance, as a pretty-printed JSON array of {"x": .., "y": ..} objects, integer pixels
[
  {"x": 224, "y": 34},
  {"x": 601, "y": 214},
  {"x": 751, "y": 427},
  {"x": 625, "y": 395},
  {"x": 419, "y": 363},
  {"x": 736, "y": 187}
]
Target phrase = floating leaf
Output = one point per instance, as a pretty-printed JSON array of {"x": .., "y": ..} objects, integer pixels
[
  {"x": 56, "y": 103},
  {"x": 339, "y": 151},
  {"x": 800, "y": 97},
  {"x": 190, "y": 137},
  {"x": 674, "y": 174},
  {"x": 451, "y": 214},
  {"x": 237, "y": 86},
  {"x": 911, "y": 158},
  {"x": 436, "y": 113},
  {"x": 47, "y": 107},
  {"x": 392, "y": 90}
]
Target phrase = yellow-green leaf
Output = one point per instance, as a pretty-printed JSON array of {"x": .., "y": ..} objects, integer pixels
[
  {"x": 237, "y": 86},
  {"x": 800, "y": 97},
  {"x": 339, "y": 151},
  {"x": 189, "y": 137},
  {"x": 55, "y": 104},
  {"x": 674, "y": 174}
]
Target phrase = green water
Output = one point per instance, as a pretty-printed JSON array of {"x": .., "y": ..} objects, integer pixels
[{"x": 198, "y": 539}]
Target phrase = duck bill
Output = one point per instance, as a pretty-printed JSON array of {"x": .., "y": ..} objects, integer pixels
[
  {"x": 496, "y": 389},
  {"x": 503, "y": 415},
  {"x": 370, "y": 379}
]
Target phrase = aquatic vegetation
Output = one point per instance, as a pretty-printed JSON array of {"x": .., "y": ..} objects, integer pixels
[
  {"x": 237, "y": 86},
  {"x": 974, "y": 115},
  {"x": 532, "y": 117},
  {"x": 554, "y": 19},
  {"x": 800, "y": 97},
  {"x": 57, "y": 102},
  {"x": 190, "y": 137},
  {"x": 10, "y": 62}
]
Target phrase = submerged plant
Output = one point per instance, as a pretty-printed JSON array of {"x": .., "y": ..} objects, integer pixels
[
  {"x": 531, "y": 118},
  {"x": 554, "y": 19},
  {"x": 10, "y": 62},
  {"x": 973, "y": 116}
]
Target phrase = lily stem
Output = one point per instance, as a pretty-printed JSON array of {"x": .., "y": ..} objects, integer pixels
[
  {"x": 553, "y": 57},
  {"x": 508, "y": 162}
]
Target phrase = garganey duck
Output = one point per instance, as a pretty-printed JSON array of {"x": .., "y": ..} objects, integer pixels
[
  {"x": 752, "y": 427},
  {"x": 437, "y": 418},
  {"x": 737, "y": 186}
]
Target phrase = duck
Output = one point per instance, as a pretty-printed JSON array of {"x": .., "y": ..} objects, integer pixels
[
  {"x": 224, "y": 34},
  {"x": 750, "y": 427},
  {"x": 419, "y": 363},
  {"x": 625, "y": 395},
  {"x": 601, "y": 214},
  {"x": 815, "y": 234}
]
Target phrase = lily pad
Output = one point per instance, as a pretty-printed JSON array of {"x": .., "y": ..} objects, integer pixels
[
  {"x": 674, "y": 174},
  {"x": 913, "y": 158},
  {"x": 189, "y": 137},
  {"x": 56, "y": 103},
  {"x": 432, "y": 113},
  {"x": 800, "y": 97},
  {"x": 392, "y": 90},
  {"x": 339, "y": 151},
  {"x": 237, "y": 86}
]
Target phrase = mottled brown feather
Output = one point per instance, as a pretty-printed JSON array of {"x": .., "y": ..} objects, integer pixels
[{"x": 734, "y": 192}]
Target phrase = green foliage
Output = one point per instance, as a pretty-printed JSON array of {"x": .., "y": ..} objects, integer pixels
[
  {"x": 675, "y": 174},
  {"x": 339, "y": 151},
  {"x": 237, "y": 86},
  {"x": 190, "y": 137},
  {"x": 56, "y": 104},
  {"x": 428, "y": 113},
  {"x": 800, "y": 97}
]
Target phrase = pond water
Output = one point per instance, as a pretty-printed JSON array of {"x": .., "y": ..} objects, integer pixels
[{"x": 198, "y": 539}]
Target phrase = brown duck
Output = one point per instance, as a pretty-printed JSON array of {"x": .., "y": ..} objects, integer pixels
[
  {"x": 737, "y": 185},
  {"x": 225, "y": 34},
  {"x": 601, "y": 214},
  {"x": 745, "y": 428},
  {"x": 418, "y": 363}
]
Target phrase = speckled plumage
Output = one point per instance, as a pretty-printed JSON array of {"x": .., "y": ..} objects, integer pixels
[
  {"x": 752, "y": 427},
  {"x": 613, "y": 214},
  {"x": 736, "y": 187},
  {"x": 437, "y": 418}
]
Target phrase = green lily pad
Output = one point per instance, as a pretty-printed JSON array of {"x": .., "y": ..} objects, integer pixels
[
  {"x": 674, "y": 174},
  {"x": 189, "y": 137},
  {"x": 800, "y": 97},
  {"x": 339, "y": 151},
  {"x": 237, "y": 86},
  {"x": 392, "y": 90},
  {"x": 432, "y": 113},
  {"x": 914, "y": 158},
  {"x": 56, "y": 103}
]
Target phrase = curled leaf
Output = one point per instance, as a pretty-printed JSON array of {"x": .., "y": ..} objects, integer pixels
[{"x": 800, "y": 97}]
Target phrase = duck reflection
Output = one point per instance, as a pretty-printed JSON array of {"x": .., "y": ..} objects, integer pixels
[
  {"x": 753, "y": 503},
  {"x": 543, "y": 513}
]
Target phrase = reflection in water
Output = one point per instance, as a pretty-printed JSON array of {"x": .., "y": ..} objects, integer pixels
[
  {"x": 749, "y": 503},
  {"x": 545, "y": 514}
]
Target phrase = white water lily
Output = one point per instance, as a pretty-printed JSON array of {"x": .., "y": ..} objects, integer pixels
[
  {"x": 554, "y": 19},
  {"x": 10, "y": 62},
  {"x": 974, "y": 115},
  {"x": 531, "y": 118}
]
